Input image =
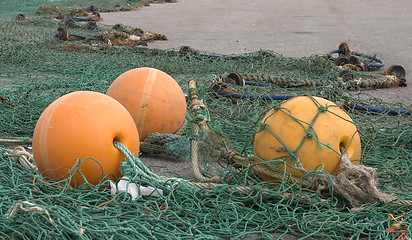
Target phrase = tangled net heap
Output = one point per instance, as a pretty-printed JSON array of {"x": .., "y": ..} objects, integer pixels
[{"x": 37, "y": 70}]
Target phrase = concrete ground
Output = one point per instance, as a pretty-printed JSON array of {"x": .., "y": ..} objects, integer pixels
[{"x": 291, "y": 28}]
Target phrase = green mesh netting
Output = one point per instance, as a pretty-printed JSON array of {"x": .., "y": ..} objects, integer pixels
[{"x": 37, "y": 68}]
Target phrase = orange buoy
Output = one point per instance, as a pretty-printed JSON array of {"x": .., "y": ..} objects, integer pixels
[
  {"x": 83, "y": 125},
  {"x": 309, "y": 130},
  {"x": 153, "y": 98}
]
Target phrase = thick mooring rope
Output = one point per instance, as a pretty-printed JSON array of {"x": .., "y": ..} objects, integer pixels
[
  {"x": 10, "y": 141},
  {"x": 279, "y": 81},
  {"x": 386, "y": 81},
  {"x": 200, "y": 119},
  {"x": 234, "y": 158}
]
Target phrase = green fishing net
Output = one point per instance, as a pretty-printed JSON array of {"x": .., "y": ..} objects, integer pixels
[{"x": 37, "y": 68}]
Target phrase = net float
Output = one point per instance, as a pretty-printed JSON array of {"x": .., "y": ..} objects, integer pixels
[
  {"x": 307, "y": 133},
  {"x": 79, "y": 128},
  {"x": 153, "y": 98}
]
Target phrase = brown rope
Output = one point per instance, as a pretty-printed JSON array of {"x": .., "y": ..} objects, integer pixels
[
  {"x": 196, "y": 103},
  {"x": 284, "y": 82},
  {"x": 238, "y": 161},
  {"x": 10, "y": 141},
  {"x": 386, "y": 81}
]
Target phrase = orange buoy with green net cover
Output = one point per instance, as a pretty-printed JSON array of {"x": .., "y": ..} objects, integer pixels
[
  {"x": 309, "y": 133},
  {"x": 153, "y": 98},
  {"x": 79, "y": 128}
]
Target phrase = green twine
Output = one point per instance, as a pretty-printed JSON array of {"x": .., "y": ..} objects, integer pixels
[{"x": 135, "y": 169}]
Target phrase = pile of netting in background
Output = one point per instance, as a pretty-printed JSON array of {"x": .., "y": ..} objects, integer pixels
[{"x": 37, "y": 68}]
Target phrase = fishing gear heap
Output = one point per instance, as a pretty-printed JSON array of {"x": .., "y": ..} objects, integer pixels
[{"x": 299, "y": 150}]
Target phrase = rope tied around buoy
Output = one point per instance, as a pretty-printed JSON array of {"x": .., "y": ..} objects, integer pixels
[{"x": 355, "y": 183}]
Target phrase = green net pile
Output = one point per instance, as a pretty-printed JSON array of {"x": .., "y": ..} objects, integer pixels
[{"x": 36, "y": 69}]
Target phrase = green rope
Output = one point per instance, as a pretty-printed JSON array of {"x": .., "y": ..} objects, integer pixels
[{"x": 140, "y": 170}]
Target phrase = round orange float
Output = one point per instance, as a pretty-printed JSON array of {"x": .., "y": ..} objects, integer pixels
[
  {"x": 153, "y": 98},
  {"x": 286, "y": 134},
  {"x": 83, "y": 125}
]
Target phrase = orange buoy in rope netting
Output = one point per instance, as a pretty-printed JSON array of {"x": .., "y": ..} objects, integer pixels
[
  {"x": 307, "y": 133},
  {"x": 153, "y": 98},
  {"x": 79, "y": 128}
]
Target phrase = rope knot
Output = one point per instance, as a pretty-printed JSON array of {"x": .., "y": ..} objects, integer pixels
[
  {"x": 230, "y": 155},
  {"x": 198, "y": 111},
  {"x": 323, "y": 108}
]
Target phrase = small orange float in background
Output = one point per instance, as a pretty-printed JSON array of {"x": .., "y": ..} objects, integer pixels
[
  {"x": 153, "y": 98},
  {"x": 332, "y": 130},
  {"x": 80, "y": 125}
]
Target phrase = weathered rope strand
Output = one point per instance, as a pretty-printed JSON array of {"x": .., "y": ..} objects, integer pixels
[
  {"x": 386, "y": 81},
  {"x": 19, "y": 154},
  {"x": 197, "y": 104}
]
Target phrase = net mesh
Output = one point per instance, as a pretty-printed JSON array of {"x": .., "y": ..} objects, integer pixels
[{"x": 37, "y": 68}]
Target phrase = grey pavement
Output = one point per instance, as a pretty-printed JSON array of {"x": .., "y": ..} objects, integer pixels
[{"x": 292, "y": 28}]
